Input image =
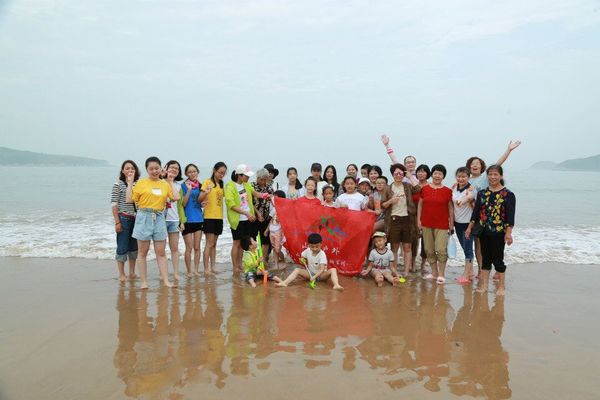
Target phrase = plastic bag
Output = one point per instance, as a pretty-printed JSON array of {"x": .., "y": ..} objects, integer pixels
[{"x": 451, "y": 247}]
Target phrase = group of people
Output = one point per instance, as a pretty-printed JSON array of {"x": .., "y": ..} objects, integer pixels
[{"x": 416, "y": 209}]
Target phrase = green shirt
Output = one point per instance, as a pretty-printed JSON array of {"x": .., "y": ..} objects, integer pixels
[
  {"x": 232, "y": 199},
  {"x": 250, "y": 261}
]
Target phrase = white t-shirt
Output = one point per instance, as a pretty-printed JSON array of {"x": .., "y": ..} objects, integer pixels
[
  {"x": 381, "y": 261},
  {"x": 462, "y": 213},
  {"x": 354, "y": 201},
  {"x": 171, "y": 212},
  {"x": 244, "y": 204},
  {"x": 313, "y": 262},
  {"x": 320, "y": 186}
]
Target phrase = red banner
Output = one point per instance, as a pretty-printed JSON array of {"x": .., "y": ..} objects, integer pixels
[{"x": 345, "y": 233}]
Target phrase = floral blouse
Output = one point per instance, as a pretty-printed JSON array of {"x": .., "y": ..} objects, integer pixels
[
  {"x": 263, "y": 206},
  {"x": 494, "y": 211}
]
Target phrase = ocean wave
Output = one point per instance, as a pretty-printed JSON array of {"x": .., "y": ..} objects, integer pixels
[{"x": 91, "y": 236}]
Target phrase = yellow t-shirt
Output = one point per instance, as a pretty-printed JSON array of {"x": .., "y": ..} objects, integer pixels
[
  {"x": 152, "y": 194},
  {"x": 214, "y": 200}
]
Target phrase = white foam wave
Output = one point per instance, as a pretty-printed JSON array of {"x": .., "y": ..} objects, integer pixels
[{"x": 75, "y": 235}]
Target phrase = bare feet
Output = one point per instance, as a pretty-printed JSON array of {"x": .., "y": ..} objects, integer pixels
[
  {"x": 169, "y": 284},
  {"x": 144, "y": 285},
  {"x": 501, "y": 291},
  {"x": 281, "y": 284},
  {"x": 197, "y": 273},
  {"x": 214, "y": 270},
  {"x": 122, "y": 278},
  {"x": 252, "y": 283},
  {"x": 338, "y": 287},
  {"x": 190, "y": 275},
  {"x": 176, "y": 277},
  {"x": 207, "y": 272},
  {"x": 132, "y": 276}
]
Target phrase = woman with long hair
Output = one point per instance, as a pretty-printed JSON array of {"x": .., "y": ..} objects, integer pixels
[
  {"x": 212, "y": 196},
  {"x": 174, "y": 214},
  {"x": 124, "y": 217}
]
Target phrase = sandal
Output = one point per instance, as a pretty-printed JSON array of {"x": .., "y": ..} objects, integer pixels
[
  {"x": 440, "y": 280},
  {"x": 463, "y": 281}
]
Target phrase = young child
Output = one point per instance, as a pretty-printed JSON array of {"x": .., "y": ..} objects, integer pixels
[
  {"x": 351, "y": 199},
  {"x": 364, "y": 186},
  {"x": 328, "y": 196},
  {"x": 380, "y": 261},
  {"x": 310, "y": 195},
  {"x": 251, "y": 262},
  {"x": 316, "y": 262},
  {"x": 275, "y": 233},
  {"x": 375, "y": 201}
]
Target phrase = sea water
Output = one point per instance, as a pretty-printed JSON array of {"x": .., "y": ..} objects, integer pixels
[{"x": 64, "y": 212}]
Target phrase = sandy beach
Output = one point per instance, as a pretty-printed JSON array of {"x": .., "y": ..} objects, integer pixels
[{"x": 71, "y": 331}]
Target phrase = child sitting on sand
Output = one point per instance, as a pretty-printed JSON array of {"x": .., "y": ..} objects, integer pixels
[
  {"x": 380, "y": 261},
  {"x": 315, "y": 267},
  {"x": 275, "y": 233},
  {"x": 252, "y": 261}
]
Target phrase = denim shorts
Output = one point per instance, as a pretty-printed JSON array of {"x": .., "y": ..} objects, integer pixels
[
  {"x": 172, "y": 226},
  {"x": 150, "y": 225},
  {"x": 126, "y": 244}
]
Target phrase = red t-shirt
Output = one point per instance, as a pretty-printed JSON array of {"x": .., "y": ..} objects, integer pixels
[
  {"x": 434, "y": 211},
  {"x": 304, "y": 200}
]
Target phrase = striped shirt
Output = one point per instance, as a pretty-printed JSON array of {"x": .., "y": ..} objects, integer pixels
[{"x": 118, "y": 197}]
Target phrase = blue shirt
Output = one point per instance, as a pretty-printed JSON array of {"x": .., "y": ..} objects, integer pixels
[{"x": 193, "y": 208}]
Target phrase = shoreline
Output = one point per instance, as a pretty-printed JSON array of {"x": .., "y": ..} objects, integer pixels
[{"x": 71, "y": 331}]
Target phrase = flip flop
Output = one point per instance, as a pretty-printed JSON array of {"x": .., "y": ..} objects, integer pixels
[
  {"x": 462, "y": 280},
  {"x": 440, "y": 280},
  {"x": 401, "y": 279}
]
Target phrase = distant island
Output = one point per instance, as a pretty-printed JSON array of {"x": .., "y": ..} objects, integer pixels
[
  {"x": 19, "y": 157},
  {"x": 578, "y": 164}
]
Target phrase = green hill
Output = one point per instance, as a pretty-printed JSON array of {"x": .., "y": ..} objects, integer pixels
[
  {"x": 580, "y": 164},
  {"x": 19, "y": 157},
  {"x": 577, "y": 164}
]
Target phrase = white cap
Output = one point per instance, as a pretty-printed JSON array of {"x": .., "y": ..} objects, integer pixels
[
  {"x": 244, "y": 169},
  {"x": 363, "y": 180}
]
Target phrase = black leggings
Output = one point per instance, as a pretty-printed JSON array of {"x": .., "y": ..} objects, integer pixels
[{"x": 492, "y": 252}]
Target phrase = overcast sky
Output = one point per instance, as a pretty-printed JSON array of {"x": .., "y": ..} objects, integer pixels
[{"x": 295, "y": 82}]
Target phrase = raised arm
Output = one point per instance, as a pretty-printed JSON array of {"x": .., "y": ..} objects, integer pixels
[
  {"x": 186, "y": 196},
  {"x": 511, "y": 146},
  {"x": 128, "y": 192},
  {"x": 386, "y": 142}
]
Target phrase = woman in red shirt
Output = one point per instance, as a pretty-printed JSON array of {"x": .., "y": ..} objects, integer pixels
[{"x": 435, "y": 217}]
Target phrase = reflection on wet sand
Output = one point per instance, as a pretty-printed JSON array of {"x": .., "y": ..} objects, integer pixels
[{"x": 218, "y": 333}]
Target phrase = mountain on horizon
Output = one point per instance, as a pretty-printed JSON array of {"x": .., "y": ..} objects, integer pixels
[{"x": 12, "y": 157}]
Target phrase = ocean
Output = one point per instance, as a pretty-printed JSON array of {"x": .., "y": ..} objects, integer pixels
[{"x": 65, "y": 212}]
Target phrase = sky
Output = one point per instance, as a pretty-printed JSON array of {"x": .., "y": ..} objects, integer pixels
[{"x": 292, "y": 82}]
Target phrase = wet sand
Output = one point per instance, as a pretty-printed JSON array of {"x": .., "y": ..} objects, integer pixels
[{"x": 70, "y": 331}]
